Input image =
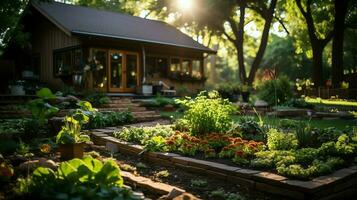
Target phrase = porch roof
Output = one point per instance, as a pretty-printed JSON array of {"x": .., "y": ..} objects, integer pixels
[{"x": 88, "y": 21}]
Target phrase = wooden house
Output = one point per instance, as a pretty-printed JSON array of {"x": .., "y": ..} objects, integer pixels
[{"x": 107, "y": 51}]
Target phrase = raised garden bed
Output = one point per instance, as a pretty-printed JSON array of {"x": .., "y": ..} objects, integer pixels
[{"x": 336, "y": 185}]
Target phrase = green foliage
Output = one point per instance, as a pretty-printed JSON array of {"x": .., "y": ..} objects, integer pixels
[
  {"x": 159, "y": 101},
  {"x": 249, "y": 128},
  {"x": 207, "y": 113},
  {"x": 156, "y": 144},
  {"x": 306, "y": 136},
  {"x": 298, "y": 103},
  {"x": 41, "y": 110},
  {"x": 199, "y": 183},
  {"x": 306, "y": 163},
  {"x": 226, "y": 90},
  {"x": 109, "y": 118},
  {"x": 275, "y": 91},
  {"x": 85, "y": 178},
  {"x": 141, "y": 135},
  {"x": 71, "y": 131},
  {"x": 281, "y": 141},
  {"x": 45, "y": 93},
  {"x": 97, "y": 98}
]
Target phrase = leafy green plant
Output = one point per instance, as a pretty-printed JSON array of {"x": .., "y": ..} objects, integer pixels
[
  {"x": 141, "y": 135},
  {"x": 207, "y": 113},
  {"x": 306, "y": 136},
  {"x": 162, "y": 174},
  {"x": 96, "y": 98},
  {"x": 275, "y": 91},
  {"x": 281, "y": 141},
  {"x": 249, "y": 128},
  {"x": 199, "y": 183},
  {"x": 71, "y": 131},
  {"x": 40, "y": 108},
  {"x": 155, "y": 144},
  {"x": 85, "y": 178},
  {"x": 109, "y": 118}
]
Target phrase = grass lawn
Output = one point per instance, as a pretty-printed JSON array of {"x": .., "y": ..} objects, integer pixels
[{"x": 319, "y": 123}]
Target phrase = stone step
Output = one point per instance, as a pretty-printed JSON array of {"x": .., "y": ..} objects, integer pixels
[
  {"x": 120, "y": 101},
  {"x": 120, "y": 105}
]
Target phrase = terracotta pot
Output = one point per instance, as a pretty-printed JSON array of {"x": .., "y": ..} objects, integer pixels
[{"x": 70, "y": 151}]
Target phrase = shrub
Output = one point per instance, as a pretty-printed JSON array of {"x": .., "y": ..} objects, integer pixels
[
  {"x": 207, "y": 113},
  {"x": 85, "y": 178},
  {"x": 281, "y": 141},
  {"x": 298, "y": 103},
  {"x": 275, "y": 91}
]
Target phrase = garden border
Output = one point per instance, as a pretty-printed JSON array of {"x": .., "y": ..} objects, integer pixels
[{"x": 339, "y": 184}]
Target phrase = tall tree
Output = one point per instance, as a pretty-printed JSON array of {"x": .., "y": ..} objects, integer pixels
[
  {"x": 229, "y": 18},
  {"x": 337, "y": 42},
  {"x": 317, "y": 39}
]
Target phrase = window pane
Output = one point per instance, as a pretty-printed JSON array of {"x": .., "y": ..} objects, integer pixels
[
  {"x": 131, "y": 68},
  {"x": 196, "y": 69},
  {"x": 162, "y": 65},
  {"x": 175, "y": 65},
  {"x": 99, "y": 68},
  {"x": 116, "y": 70},
  {"x": 186, "y": 66}
]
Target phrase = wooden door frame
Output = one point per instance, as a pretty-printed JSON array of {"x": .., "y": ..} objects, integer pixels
[{"x": 124, "y": 69}]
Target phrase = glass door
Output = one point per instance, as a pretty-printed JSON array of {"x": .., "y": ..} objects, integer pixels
[{"x": 123, "y": 71}]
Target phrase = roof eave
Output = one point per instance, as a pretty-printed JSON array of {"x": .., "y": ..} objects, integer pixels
[{"x": 204, "y": 50}]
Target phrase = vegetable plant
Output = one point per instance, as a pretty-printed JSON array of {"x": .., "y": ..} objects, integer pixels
[
  {"x": 281, "y": 141},
  {"x": 85, "y": 178},
  {"x": 207, "y": 113}
]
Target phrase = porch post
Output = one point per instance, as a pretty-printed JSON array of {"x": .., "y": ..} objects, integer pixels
[{"x": 144, "y": 64}]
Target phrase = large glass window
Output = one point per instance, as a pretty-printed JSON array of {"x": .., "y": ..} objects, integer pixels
[
  {"x": 186, "y": 66},
  {"x": 131, "y": 71},
  {"x": 98, "y": 66},
  {"x": 175, "y": 65},
  {"x": 196, "y": 69},
  {"x": 67, "y": 61},
  {"x": 156, "y": 65}
]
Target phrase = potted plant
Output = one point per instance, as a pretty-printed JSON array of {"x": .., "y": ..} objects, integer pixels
[{"x": 70, "y": 138}]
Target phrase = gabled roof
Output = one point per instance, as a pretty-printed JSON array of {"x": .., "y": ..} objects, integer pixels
[{"x": 88, "y": 21}]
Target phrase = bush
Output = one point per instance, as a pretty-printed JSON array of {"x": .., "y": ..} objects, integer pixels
[
  {"x": 275, "y": 91},
  {"x": 207, "y": 113},
  {"x": 298, "y": 103},
  {"x": 281, "y": 141},
  {"x": 226, "y": 90}
]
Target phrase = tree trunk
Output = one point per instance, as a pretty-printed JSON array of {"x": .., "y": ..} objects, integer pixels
[
  {"x": 337, "y": 43},
  {"x": 263, "y": 42},
  {"x": 239, "y": 46},
  {"x": 317, "y": 51}
]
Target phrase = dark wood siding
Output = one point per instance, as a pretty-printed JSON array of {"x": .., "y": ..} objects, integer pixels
[{"x": 45, "y": 38}]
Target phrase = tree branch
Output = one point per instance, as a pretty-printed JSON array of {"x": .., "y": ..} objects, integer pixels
[
  {"x": 282, "y": 24},
  {"x": 229, "y": 37}
]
